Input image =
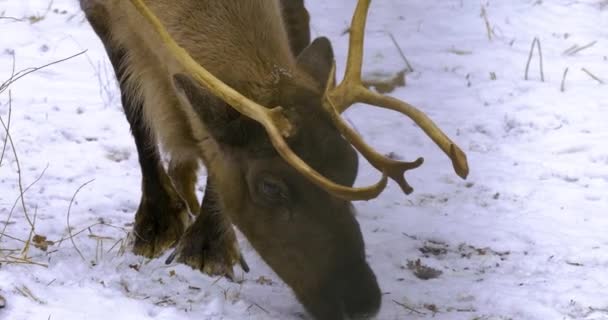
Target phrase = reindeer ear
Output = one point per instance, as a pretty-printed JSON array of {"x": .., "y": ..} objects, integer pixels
[
  {"x": 317, "y": 59},
  {"x": 220, "y": 120}
]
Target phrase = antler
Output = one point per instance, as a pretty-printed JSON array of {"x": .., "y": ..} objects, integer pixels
[
  {"x": 337, "y": 100},
  {"x": 351, "y": 90},
  {"x": 276, "y": 124}
]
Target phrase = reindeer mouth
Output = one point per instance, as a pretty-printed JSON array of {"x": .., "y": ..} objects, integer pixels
[{"x": 352, "y": 294}]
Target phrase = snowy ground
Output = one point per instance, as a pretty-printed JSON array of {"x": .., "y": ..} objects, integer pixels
[{"x": 525, "y": 237}]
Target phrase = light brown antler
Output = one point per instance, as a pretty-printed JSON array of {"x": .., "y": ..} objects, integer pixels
[
  {"x": 276, "y": 124},
  {"x": 351, "y": 90}
]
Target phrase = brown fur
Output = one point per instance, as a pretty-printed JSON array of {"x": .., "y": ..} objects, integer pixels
[{"x": 150, "y": 66}]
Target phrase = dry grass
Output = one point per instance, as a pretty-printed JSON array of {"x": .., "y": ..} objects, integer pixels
[
  {"x": 563, "y": 85},
  {"x": 576, "y": 48},
  {"x": 68, "y": 219},
  {"x": 19, "y": 256},
  {"x": 32, "y": 19},
  {"x": 536, "y": 42},
  {"x": 594, "y": 77},
  {"x": 484, "y": 15}
]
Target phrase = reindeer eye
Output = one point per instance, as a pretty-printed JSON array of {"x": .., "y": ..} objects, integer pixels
[{"x": 272, "y": 189}]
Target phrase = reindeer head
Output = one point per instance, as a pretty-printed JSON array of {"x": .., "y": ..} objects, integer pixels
[{"x": 285, "y": 174}]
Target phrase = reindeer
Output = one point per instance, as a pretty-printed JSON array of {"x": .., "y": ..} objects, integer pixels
[{"x": 238, "y": 86}]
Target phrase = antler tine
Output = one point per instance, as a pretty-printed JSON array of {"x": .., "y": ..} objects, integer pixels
[
  {"x": 274, "y": 122},
  {"x": 342, "y": 96},
  {"x": 456, "y": 155},
  {"x": 355, "y": 42},
  {"x": 392, "y": 168},
  {"x": 351, "y": 90}
]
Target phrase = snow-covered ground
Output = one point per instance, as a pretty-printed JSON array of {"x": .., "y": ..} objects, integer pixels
[{"x": 525, "y": 237}]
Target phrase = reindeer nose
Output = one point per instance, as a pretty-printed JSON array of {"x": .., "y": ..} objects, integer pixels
[{"x": 360, "y": 291}]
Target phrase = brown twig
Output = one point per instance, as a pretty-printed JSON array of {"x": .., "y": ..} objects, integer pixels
[
  {"x": 10, "y": 109},
  {"x": 12, "y": 238},
  {"x": 13, "y": 78},
  {"x": 484, "y": 15},
  {"x": 460, "y": 52},
  {"x": 20, "y": 260},
  {"x": 10, "y": 214},
  {"x": 8, "y": 127},
  {"x": 20, "y": 180},
  {"x": 407, "y": 63},
  {"x": 60, "y": 241},
  {"x": 408, "y": 307},
  {"x": 105, "y": 80},
  {"x": 563, "y": 86},
  {"x": 39, "y": 17},
  {"x": 26, "y": 292},
  {"x": 68, "y": 218},
  {"x": 26, "y": 248},
  {"x": 540, "y": 53},
  {"x": 260, "y": 307},
  {"x": 576, "y": 49},
  {"x": 11, "y": 18},
  {"x": 592, "y": 76},
  {"x": 24, "y": 72},
  {"x": 115, "y": 244}
]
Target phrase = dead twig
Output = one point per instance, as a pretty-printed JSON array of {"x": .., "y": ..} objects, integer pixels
[
  {"x": 460, "y": 52},
  {"x": 563, "y": 86},
  {"x": 7, "y": 129},
  {"x": 540, "y": 53},
  {"x": 19, "y": 260},
  {"x": 407, "y": 63},
  {"x": 10, "y": 214},
  {"x": 26, "y": 292},
  {"x": 24, "y": 72},
  {"x": 26, "y": 248},
  {"x": 13, "y": 78},
  {"x": 592, "y": 76},
  {"x": 12, "y": 238},
  {"x": 257, "y": 305},
  {"x": 106, "y": 81},
  {"x": 484, "y": 15},
  {"x": 39, "y": 17},
  {"x": 11, "y": 18},
  {"x": 115, "y": 244},
  {"x": 576, "y": 49},
  {"x": 60, "y": 241},
  {"x": 20, "y": 180},
  {"x": 408, "y": 307},
  {"x": 68, "y": 219},
  {"x": 10, "y": 110}
]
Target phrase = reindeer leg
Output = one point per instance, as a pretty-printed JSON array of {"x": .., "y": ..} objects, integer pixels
[
  {"x": 297, "y": 22},
  {"x": 209, "y": 244},
  {"x": 162, "y": 215},
  {"x": 183, "y": 174}
]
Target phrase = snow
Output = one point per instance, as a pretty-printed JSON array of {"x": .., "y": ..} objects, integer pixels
[{"x": 524, "y": 237}]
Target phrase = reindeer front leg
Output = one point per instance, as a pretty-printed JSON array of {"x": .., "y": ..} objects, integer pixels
[
  {"x": 162, "y": 215},
  {"x": 210, "y": 244}
]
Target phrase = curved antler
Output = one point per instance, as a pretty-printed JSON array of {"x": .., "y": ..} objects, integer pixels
[
  {"x": 351, "y": 90},
  {"x": 273, "y": 120},
  {"x": 337, "y": 99}
]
